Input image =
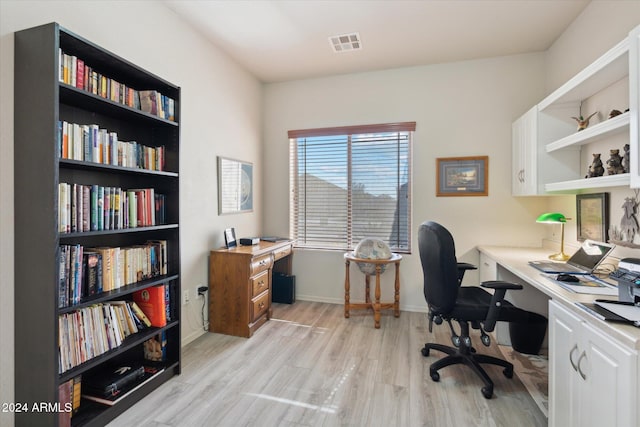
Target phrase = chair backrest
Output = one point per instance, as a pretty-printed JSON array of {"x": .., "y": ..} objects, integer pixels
[{"x": 439, "y": 267}]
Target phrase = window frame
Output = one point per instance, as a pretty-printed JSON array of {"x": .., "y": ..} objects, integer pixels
[{"x": 349, "y": 132}]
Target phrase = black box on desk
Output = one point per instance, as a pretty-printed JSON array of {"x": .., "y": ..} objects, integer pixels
[{"x": 283, "y": 288}]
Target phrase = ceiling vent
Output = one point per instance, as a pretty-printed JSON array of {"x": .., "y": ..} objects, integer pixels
[{"x": 345, "y": 42}]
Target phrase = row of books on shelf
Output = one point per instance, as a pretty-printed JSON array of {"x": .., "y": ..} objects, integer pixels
[
  {"x": 90, "y": 143},
  {"x": 113, "y": 382},
  {"x": 75, "y": 72},
  {"x": 84, "y": 208},
  {"x": 90, "y": 271},
  {"x": 92, "y": 331}
]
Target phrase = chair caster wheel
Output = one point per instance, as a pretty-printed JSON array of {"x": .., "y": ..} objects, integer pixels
[
  {"x": 455, "y": 340},
  {"x": 467, "y": 341},
  {"x": 425, "y": 351},
  {"x": 485, "y": 340},
  {"x": 508, "y": 372},
  {"x": 487, "y": 392},
  {"x": 435, "y": 376}
]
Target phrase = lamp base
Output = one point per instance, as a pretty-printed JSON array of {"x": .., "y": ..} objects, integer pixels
[{"x": 559, "y": 257}]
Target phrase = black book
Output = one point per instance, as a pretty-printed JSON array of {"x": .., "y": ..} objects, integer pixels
[
  {"x": 147, "y": 375},
  {"x": 111, "y": 381}
]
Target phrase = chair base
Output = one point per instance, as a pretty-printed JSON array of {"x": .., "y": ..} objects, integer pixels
[{"x": 468, "y": 356}]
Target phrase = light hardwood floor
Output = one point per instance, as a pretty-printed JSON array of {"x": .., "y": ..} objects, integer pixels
[{"x": 309, "y": 366}]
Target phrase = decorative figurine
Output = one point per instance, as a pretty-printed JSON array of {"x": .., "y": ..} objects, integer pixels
[
  {"x": 614, "y": 113},
  {"x": 629, "y": 223},
  {"x": 625, "y": 159},
  {"x": 625, "y": 235},
  {"x": 614, "y": 163},
  {"x": 595, "y": 168},
  {"x": 582, "y": 122}
]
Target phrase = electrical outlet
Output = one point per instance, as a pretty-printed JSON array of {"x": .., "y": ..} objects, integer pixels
[{"x": 185, "y": 297}]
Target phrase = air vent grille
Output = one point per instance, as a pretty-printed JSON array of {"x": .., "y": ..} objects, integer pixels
[{"x": 345, "y": 42}]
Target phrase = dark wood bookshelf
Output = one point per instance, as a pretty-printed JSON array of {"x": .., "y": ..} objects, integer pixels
[{"x": 41, "y": 101}]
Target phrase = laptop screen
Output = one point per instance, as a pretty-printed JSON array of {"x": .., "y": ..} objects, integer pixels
[{"x": 590, "y": 254}]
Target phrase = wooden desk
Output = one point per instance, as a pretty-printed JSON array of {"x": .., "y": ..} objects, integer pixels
[
  {"x": 240, "y": 285},
  {"x": 376, "y": 305}
]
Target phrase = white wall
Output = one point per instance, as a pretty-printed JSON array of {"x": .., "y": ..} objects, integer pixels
[
  {"x": 221, "y": 115},
  {"x": 460, "y": 109}
]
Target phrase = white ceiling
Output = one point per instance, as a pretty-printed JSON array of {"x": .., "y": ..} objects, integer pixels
[{"x": 280, "y": 40}]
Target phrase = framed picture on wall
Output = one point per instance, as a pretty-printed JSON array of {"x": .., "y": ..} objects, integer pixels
[
  {"x": 235, "y": 186},
  {"x": 593, "y": 216},
  {"x": 462, "y": 176}
]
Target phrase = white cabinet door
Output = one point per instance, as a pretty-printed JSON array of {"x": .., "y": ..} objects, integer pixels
[
  {"x": 564, "y": 352},
  {"x": 524, "y": 179},
  {"x": 609, "y": 395},
  {"x": 592, "y": 378},
  {"x": 634, "y": 106}
]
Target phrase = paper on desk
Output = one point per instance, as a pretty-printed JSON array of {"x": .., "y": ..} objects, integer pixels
[
  {"x": 587, "y": 285},
  {"x": 629, "y": 312}
]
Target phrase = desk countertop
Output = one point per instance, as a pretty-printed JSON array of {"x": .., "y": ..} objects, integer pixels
[{"x": 516, "y": 260}]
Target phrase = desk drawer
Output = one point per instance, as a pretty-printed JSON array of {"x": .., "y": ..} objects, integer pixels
[
  {"x": 281, "y": 253},
  {"x": 260, "y": 305},
  {"x": 260, "y": 283},
  {"x": 260, "y": 264}
]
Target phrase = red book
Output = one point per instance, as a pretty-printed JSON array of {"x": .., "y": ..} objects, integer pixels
[
  {"x": 151, "y": 302},
  {"x": 80, "y": 74}
]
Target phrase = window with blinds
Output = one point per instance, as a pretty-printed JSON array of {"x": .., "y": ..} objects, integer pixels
[{"x": 349, "y": 183}]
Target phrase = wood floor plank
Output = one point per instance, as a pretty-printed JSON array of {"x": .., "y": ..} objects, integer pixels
[{"x": 310, "y": 366}]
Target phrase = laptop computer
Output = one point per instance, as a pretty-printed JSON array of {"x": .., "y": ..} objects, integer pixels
[{"x": 584, "y": 261}]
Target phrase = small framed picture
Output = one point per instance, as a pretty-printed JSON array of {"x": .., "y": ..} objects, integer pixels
[
  {"x": 593, "y": 216},
  {"x": 230, "y": 238},
  {"x": 462, "y": 176},
  {"x": 235, "y": 186}
]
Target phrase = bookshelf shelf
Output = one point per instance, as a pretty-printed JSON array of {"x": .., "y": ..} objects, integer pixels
[
  {"x": 72, "y": 95},
  {"x": 128, "y": 344},
  {"x": 64, "y": 237},
  {"x": 41, "y": 55},
  {"x": 81, "y": 164},
  {"x": 119, "y": 293}
]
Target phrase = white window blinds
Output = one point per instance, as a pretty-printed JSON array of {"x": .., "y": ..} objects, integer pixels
[{"x": 349, "y": 183}]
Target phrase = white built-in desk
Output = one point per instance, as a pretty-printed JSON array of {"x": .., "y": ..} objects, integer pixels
[{"x": 594, "y": 367}]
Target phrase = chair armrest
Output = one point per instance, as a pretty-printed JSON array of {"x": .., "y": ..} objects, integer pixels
[
  {"x": 499, "y": 284},
  {"x": 462, "y": 268},
  {"x": 500, "y": 288},
  {"x": 466, "y": 266}
]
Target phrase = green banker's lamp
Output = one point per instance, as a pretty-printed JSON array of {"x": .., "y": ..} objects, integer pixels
[{"x": 556, "y": 218}]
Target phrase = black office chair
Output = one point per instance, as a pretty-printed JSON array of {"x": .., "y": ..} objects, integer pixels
[{"x": 447, "y": 300}]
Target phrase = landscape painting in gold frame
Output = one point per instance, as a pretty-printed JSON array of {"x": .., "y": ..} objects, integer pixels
[{"x": 462, "y": 176}]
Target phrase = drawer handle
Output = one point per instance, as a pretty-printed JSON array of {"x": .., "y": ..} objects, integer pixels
[
  {"x": 582, "y": 374},
  {"x": 261, "y": 305},
  {"x": 261, "y": 283},
  {"x": 573, "y": 364}
]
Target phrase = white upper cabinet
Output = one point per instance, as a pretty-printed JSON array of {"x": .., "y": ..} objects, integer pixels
[
  {"x": 609, "y": 83},
  {"x": 532, "y": 166},
  {"x": 634, "y": 105}
]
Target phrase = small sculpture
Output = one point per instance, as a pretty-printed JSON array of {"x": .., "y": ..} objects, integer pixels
[
  {"x": 614, "y": 113},
  {"x": 626, "y": 234},
  {"x": 595, "y": 168},
  {"x": 629, "y": 223},
  {"x": 582, "y": 122},
  {"x": 614, "y": 163},
  {"x": 625, "y": 159}
]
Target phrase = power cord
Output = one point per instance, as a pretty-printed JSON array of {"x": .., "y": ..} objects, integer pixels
[{"x": 201, "y": 291}]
